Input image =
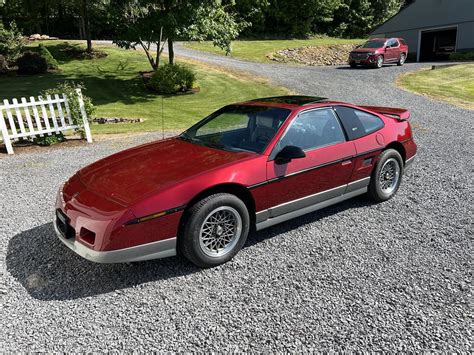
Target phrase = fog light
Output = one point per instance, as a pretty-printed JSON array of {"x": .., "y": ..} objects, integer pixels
[{"x": 87, "y": 236}]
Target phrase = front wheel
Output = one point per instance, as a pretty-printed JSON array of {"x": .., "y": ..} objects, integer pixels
[
  {"x": 353, "y": 65},
  {"x": 402, "y": 59},
  {"x": 215, "y": 229},
  {"x": 379, "y": 62},
  {"x": 386, "y": 177}
]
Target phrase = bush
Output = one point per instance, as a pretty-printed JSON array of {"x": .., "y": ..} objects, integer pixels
[
  {"x": 46, "y": 140},
  {"x": 11, "y": 42},
  {"x": 462, "y": 56},
  {"x": 31, "y": 63},
  {"x": 69, "y": 89},
  {"x": 171, "y": 79},
  {"x": 46, "y": 54}
]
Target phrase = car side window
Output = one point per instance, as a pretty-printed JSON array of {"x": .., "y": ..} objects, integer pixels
[
  {"x": 313, "y": 129},
  {"x": 358, "y": 123}
]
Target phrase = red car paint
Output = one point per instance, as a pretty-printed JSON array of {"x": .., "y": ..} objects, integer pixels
[
  {"x": 390, "y": 50},
  {"x": 104, "y": 200}
]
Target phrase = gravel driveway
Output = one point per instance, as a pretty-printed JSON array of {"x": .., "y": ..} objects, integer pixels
[{"x": 356, "y": 276}]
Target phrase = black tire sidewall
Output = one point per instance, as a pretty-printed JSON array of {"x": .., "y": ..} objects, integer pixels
[
  {"x": 375, "y": 191},
  {"x": 192, "y": 227}
]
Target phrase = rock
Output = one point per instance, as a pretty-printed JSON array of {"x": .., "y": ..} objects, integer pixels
[
  {"x": 44, "y": 37},
  {"x": 336, "y": 54},
  {"x": 35, "y": 37}
]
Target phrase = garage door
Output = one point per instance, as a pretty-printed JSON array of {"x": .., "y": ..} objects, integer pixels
[{"x": 437, "y": 44}]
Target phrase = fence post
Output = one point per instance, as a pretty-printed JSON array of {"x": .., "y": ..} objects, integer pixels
[
  {"x": 84, "y": 116},
  {"x": 6, "y": 137}
]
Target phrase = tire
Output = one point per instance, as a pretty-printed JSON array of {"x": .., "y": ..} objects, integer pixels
[
  {"x": 205, "y": 241},
  {"x": 379, "y": 62},
  {"x": 402, "y": 59},
  {"x": 353, "y": 65},
  {"x": 386, "y": 176}
]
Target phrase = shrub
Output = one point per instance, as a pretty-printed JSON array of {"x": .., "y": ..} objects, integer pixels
[
  {"x": 46, "y": 54},
  {"x": 462, "y": 56},
  {"x": 172, "y": 78},
  {"x": 69, "y": 89},
  {"x": 11, "y": 42},
  {"x": 49, "y": 140},
  {"x": 31, "y": 63}
]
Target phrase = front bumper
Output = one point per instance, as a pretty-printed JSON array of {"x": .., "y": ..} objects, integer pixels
[
  {"x": 368, "y": 60},
  {"x": 155, "y": 250}
]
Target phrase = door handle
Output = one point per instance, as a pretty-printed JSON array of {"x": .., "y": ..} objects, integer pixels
[{"x": 346, "y": 162}]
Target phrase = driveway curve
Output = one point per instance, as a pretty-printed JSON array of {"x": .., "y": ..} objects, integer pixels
[{"x": 394, "y": 276}]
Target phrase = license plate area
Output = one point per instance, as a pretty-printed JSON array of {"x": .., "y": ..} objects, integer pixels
[{"x": 63, "y": 224}]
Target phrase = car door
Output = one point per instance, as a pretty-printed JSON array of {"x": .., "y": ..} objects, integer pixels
[
  {"x": 391, "y": 51},
  {"x": 362, "y": 129},
  {"x": 324, "y": 171}
]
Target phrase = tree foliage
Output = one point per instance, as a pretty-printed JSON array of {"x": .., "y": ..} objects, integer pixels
[
  {"x": 133, "y": 21},
  {"x": 150, "y": 24},
  {"x": 11, "y": 42}
]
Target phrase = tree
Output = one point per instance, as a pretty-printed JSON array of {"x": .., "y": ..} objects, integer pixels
[{"x": 151, "y": 24}]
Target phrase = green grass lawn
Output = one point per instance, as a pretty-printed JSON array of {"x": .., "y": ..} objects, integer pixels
[
  {"x": 117, "y": 91},
  {"x": 257, "y": 51},
  {"x": 452, "y": 84}
]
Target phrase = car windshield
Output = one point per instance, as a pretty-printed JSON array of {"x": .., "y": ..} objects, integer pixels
[
  {"x": 373, "y": 44},
  {"x": 238, "y": 128}
]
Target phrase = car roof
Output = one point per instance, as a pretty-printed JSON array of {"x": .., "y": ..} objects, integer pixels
[{"x": 289, "y": 101}]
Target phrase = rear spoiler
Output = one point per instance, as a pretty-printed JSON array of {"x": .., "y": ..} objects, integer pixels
[{"x": 400, "y": 114}]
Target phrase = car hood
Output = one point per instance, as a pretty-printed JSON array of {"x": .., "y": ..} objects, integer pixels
[
  {"x": 365, "y": 50},
  {"x": 135, "y": 173}
]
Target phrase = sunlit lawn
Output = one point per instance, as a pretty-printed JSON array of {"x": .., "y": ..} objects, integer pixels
[
  {"x": 258, "y": 50},
  {"x": 453, "y": 84},
  {"x": 117, "y": 90}
]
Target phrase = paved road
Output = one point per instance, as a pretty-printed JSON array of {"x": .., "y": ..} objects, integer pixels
[{"x": 357, "y": 276}]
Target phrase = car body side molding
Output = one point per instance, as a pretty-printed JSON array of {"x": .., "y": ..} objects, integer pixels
[{"x": 307, "y": 204}]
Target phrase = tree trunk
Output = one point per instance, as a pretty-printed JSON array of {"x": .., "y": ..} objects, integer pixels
[
  {"x": 170, "y": 51},
  {"x": 87, "y": 25}
]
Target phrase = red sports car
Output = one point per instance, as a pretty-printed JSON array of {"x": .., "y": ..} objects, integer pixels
[
  {"x": 246, "y": 167},
  {"x": 379, "y": 51}
]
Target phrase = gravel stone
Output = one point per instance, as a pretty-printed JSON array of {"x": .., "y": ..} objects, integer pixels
[{"x": 394, "y": 276}]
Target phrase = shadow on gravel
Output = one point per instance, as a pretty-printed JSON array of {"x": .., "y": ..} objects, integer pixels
[{"x": 50, "y": 271}]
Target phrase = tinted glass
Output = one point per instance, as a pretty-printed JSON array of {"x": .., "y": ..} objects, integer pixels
[
  {"x": 238, "y": 128},
  {"x": 313, "y": 129},
  {"x": 358, "y": 123},
  {"x": 373, "y": 44}
]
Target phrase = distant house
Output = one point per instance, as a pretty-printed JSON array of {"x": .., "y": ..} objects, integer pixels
[{"x": 432, "y": 28}]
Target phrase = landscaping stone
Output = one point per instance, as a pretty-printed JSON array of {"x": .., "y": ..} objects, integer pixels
[
  {"x": 105, "y": 120},
  {"x": 315, "y": 55}
]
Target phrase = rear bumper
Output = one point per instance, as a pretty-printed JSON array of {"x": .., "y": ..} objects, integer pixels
[{"x": 155, "y": 250}]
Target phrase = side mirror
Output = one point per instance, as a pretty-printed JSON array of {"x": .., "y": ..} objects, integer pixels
[{"x": 289, "y": 153}]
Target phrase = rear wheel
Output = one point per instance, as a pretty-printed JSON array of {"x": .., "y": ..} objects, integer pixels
[
  {"x": 386, "y": 177},
  {"x": 402, "y": 59},
  {"x": 379, "y": 62},
  {"x": 353, "y": 65},
  {"x": 215, "y": 230}
]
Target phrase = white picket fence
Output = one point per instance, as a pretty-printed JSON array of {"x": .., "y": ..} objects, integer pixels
[{"x": 39, "y": 117}]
